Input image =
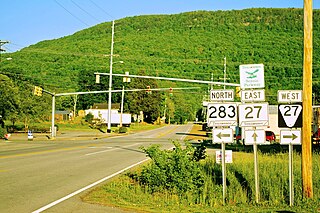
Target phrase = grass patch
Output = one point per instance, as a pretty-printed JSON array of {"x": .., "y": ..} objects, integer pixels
[{"x": 126, "y": 192}]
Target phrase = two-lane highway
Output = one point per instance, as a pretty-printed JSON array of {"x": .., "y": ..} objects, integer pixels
[{"x": 42, "y": 175}]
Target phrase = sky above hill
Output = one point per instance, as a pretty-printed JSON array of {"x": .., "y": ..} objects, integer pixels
[{"x": 26, "y": 22}]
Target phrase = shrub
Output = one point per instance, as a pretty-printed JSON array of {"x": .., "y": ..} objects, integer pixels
[
  {"x": 175, "y": 170},
  {"x": 123, "y": 129},
  {"x": 3, "y": 131},
  {"x": 88, "y": 118}
]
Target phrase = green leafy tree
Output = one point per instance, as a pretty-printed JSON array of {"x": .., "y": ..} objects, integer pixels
[
  {"x": 9, "y": 97},
  {"x": 141, "y": 101}
]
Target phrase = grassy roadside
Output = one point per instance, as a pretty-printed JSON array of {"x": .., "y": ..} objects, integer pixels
[{"x": 125, "y": 193}]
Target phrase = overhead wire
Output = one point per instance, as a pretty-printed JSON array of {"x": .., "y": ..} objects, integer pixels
[
  {"x": 71, "y": 13},
  {"x": 89, "y": 14},
  {"x": 102, "y": 9}
]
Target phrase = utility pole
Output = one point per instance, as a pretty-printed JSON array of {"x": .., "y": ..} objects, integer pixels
[
  {"x": 2, "y": 50},
  {"x": 110, "y": 81},
  {"x": 225, "y": 72},
  {"x": 307, "y": 103}
]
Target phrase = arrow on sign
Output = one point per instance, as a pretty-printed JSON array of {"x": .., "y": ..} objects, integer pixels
[
  {"x": 293, "y": 136},
  {"x": 255, "y": 137},
  {"x": 220, "y": 135}
]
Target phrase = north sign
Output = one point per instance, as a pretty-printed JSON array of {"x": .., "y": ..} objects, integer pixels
[
  {"x": 290, "y": 137},
  {"x": 289, "y": 96},
  {"x": 222, "y": 114},
  {"x": 251, "y": 115},
  {"x": 251, "y": 76},
  {"x": 222, "y": 135},
  {"x": 252, "y": 95},
  {"x": 222, "y": 95}
]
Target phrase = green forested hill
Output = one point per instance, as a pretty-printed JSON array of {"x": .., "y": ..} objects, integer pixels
[{"x": 189, "y": 45}]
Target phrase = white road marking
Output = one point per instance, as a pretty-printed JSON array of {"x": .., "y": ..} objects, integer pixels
[
  {"x": 100, "y": 147},
  {"x": 108, "y": 150},
  {"x": 85, "y": 188}
]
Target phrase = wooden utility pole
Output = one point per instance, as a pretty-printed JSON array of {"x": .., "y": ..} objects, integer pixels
[{"x": 307, "y": 103}]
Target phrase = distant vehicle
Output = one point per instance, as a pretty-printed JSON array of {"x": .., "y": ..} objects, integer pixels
[
  {"x": 270, "y": 137},
  {"x": 316, "y": 137}
]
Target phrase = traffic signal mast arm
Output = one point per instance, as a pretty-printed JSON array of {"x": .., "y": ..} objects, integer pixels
[{"x": 171, "y": 79}]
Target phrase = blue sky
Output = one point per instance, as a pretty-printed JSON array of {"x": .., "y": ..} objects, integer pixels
[{"x": 26, "y": 22}]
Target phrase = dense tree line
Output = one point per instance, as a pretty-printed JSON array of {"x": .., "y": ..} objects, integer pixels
[{"x": 189, "y": 45}]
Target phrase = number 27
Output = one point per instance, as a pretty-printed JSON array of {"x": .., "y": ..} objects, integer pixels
[{"x": 250, "y": 109}]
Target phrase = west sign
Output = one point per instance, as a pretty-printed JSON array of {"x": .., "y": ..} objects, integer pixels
[
  {"x": 289, "y": 96},
  {"x": 251, "y": 76}
]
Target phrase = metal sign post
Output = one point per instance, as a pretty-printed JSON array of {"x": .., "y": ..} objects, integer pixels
[
  {"x": 256, "y": 170},
  {"x": 291, "y": 174},
  {"x": 224, "y": 175},
  {"x": 290, "y": 137},
  {"x": 223, "y": 136}
]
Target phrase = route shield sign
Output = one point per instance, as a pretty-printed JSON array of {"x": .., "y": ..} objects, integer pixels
[
  {"x": 290, "y": 115},
  {"x": 222, "y": 135},
  {"x": 290, "y": 137},
  {"x": 251, "y": 115},
  {"x": 251, "y": 76},
  {"x": 222, "y": 114},
  {"x": 257, "y": 136}
]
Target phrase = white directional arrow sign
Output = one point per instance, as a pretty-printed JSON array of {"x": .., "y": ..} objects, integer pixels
[
  {"x": 290, "y": 114},
  {"x": 257, "y": 136},
  {"x": 222, "y": 135},
  {"x": 290, "y": 137}
]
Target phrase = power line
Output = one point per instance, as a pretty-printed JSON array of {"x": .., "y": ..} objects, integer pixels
[
  {"x": 72, "y": 14},
  {"x": 85, "y": 11},
  {"x": 102, "y": 9}
]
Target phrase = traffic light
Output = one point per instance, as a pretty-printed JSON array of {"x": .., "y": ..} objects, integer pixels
[
  {"x": 170, "y": 91},
  {"x": 37, "y": 91},
  {"x": 238, "y": 92},
  {"x": 148, "y": 90}
]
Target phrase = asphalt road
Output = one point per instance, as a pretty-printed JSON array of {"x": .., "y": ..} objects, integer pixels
[{"x": 50, "y": 176}]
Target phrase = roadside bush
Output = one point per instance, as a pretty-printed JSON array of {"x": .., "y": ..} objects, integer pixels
[
  {"x": 174, "y": 170},
  {"x": 123, "y": 129},
  {"x": 3, "y": 131},
  {"x": 88, "y": 118}
]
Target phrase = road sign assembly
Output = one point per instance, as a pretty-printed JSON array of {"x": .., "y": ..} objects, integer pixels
[{"x": 290, "y": 115}]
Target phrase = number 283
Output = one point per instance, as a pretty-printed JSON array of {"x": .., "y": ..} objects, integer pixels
[{"x": 222, "y": 111}]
